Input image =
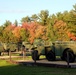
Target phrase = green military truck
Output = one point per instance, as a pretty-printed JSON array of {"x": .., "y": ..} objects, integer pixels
[
  {"x": 51, "y": 50},
  {"x": 5, "y": 47},
  {"x": 28, "y": 46},
  {"x": 1, "y": 48}
]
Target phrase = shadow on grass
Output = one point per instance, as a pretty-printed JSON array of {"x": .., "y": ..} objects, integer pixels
[
  {"x": 12, "y": 69},
  {"x": 29, "y": 70}
]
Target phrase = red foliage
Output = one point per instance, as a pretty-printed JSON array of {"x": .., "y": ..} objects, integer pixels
[
  {"x": 72, "y": 36},
  {"x": 32, "y": 29},
  {"x": 25, "y": 25}
]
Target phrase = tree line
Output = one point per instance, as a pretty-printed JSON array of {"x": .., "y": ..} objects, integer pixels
[{"x": 55, "y": 27}]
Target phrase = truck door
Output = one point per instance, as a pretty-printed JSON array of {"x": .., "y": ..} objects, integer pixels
[{"x": 58, "y": 48}]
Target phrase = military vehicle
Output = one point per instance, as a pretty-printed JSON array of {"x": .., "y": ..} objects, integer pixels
[
  {"x": 39, "y": 48},
  {"x": 5, "y": 47},
  {"x": 64, "y": 49},
  {"x": 1, "y": 48},
  {"x": 28, "y": 46}
]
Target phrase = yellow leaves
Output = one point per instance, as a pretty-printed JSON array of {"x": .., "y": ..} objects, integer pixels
[
  {"x": 16, "y": 31},
  {"x": 60, "y": 24},
  {"x": 60, "y": 29},
  {"x": 39, "y": 31},
  {"x": 10, "y": 27}
]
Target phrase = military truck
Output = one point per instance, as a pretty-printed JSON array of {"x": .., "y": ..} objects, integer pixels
[
  {"x": 1, "y": 48},
  {"x": 28, "y": 46},
  {"x": 5, "y": 47},
  {"x": 63, "y": 49},
  {"x": 39, "y": 48}
]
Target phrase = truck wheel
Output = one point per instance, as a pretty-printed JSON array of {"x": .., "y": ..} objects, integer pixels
[
  {"x": 70, "y": 55},
  {"x": 50, "y": 56},
  {"x": 35, "y": 55}
]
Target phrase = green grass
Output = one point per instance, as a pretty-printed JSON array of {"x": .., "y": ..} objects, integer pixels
[
  {"x": 4, "y": 63},
  {"x": 26, "y": 58},
  {"x": 11, "y": 69}
]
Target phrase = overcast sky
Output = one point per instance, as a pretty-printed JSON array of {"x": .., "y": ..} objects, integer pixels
[{"x": 17, "y": 9}]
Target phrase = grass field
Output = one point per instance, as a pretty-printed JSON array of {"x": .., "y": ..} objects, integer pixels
[{"x": 12, "y": 69}]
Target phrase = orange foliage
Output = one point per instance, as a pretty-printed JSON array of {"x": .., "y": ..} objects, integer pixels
[
  {"x": 10, "y": 27},
  {"x": 72, "y": 36},
  {"x": 16, "y": 31},
  {"x": 40, "y": 32},
  {"x": 59, "y": 25},
  {"x": 32, "y": 28},
  {"x": 35, "y": 30},
  {"x": 60, "y": 29}
]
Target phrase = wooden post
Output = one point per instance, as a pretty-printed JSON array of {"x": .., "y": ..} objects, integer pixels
[
  {"x": 68, "y": 59},
  {"x": 0, "y": 53},
  {"x": 23, "y": 51},
  {"x": 23, "y": 55},
  {"x": 35, "y": 57},
  {"x": 10, "y": 55}
]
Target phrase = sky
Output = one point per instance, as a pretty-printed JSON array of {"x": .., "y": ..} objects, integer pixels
[{"x": 17, "y": 9}]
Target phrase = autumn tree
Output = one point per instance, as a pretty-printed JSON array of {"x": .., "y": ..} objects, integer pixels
[
  {"x": 1, "y": 33},
  {"x": 34, "y": 30},
  {"x": 71, "y": 22},
  {"x": 50, "y": 33},
  {"x": 34, "y": 17},
  {"x": 43, "y": 16},
  {"x": 59, "y": 26},
  {"x": 7, "y": 23},
  {"x": 7, "y": 34},
  {"x": 16, "y": 23},
  {"x": 25, "y": 19},
  {"x": 16, "y": 32},
  {"x": 60, "y": 29}
]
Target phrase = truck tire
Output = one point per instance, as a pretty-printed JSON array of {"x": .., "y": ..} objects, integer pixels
[
  {"x": 50, "y": 56},
  {"x": 35, "y": 55},
  {"x": 70, "y": 55}
]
